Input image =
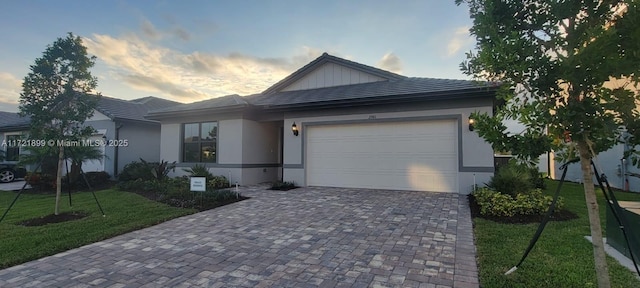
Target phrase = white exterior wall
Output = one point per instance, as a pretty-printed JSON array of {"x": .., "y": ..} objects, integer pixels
[
  {"x": 476, "y": 154},
  {"x": 329, "y": 75},
  {"x": 230, "y": 141},
  {"x": 143, "y": 142},
  {"x": 170, "y": 142},
  {"x": 610, "y": 164},
  {"x": 247, "y": 150}
]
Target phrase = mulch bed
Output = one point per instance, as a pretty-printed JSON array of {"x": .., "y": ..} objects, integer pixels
[
  {"x": 52, "y": 218},
  {"x": 182, "y": 204},
  {"x": 563, "y": 215}
]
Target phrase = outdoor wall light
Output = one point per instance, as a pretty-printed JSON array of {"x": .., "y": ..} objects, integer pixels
[
  {"x": 294, "y": 129},
  {"x": 471, "y": 122}
]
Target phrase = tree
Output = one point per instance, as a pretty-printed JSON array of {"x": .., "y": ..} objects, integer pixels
[
  {"x": 55, "y": 94},
  {"x": 570, "y": 72}
]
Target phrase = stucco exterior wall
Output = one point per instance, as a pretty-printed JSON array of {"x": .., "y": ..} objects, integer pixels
[
  {"x": 610, "y": 164},
  {"x": 248, "y": 151},
  {"x": 143, "y": 142}
]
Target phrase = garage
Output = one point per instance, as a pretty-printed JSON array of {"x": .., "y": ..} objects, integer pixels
[{"x": 416, "y": 155}]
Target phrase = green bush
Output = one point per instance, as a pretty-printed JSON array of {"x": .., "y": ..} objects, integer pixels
[
  {"x": 140, "y": 185},
  {"x": 511, "y": 179},
  {"x": 146, "y": 170},
  {"x": 137, "y": 171},
  {"x": 217, "y": 182},
  {"x": 280, "y": 185},
  {"x": 493, "y": 203},
  {"x": 95, "y": 178},
  {"x": 199, "y": 171},
  {"x": 536, "y": 179},
  {"x": 41, "y": 181}
]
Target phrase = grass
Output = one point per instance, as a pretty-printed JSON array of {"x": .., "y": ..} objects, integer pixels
[
  {"x": 561, "y": 257},
  {"x": 124, "y": 211}
]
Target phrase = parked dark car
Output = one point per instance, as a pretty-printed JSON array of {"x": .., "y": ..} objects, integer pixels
[{"x": 10, "y": 172}]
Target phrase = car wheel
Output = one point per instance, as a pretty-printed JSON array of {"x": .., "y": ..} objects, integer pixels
[{"x": 7, "y": 175}]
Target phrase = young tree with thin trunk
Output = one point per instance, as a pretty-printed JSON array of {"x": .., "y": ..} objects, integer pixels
[
  {"x": 55, "y": 94},
  {"x": 570, "y": 74}
]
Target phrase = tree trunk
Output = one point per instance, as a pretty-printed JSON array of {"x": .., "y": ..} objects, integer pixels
[
  {"x": 59, "y": 178},
  {"x": 599, "y": 256}
]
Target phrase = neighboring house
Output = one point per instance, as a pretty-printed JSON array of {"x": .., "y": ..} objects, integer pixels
[
  {"x": 338, "y": 123},
  {"x": 113, "y": 119},
  {"x": 621, "y": 174}
]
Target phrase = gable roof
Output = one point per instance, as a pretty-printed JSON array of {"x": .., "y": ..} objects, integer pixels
[
  {"x": 326, "y": 58},
  {"x": 395, "y": 88}
]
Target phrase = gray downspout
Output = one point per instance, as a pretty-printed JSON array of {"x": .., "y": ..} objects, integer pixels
[{"x": 115, "y": 152}]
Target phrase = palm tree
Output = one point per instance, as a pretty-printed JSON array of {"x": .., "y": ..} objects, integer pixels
[{"x": 76, "y": 155}]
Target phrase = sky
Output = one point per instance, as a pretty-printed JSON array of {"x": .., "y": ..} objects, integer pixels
[{"x": 189, "y": 51}]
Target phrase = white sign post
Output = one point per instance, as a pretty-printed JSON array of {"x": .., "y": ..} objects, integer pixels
[{"x": 198, "y": 184}]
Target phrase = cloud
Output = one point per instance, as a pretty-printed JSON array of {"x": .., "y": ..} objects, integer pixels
[
  {"x": 193, "y": 76},
  {"x": 181, "y": 33},
  {"x": 391, "y": 62},
  {"x": 149, "y": 31},
  {"x": 10, "y": 87},
  {"x": 459, "y": 40}
]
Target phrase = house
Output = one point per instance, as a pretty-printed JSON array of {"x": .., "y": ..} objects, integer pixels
[
  {"x": 620, "y": 171},
  {"x": 113, "y": 119},
  {"x": 338, "y": 123}
]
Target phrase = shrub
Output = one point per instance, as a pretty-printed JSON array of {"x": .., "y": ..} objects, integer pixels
[
  {"x": 217, "y": 182},
  {"x": 537, "y": 181},
  {"x": 140, "y": 185},
  {"x": 511, "y": 179},
  {"x": 199, "y": 171},
  {"x": 161, "y": 169},
  {"x": 40, "y": 181},
  {"x": 280, "y": 185},
  {"x": 136, "y": 170},
  {"x": 95, "y": 178},
  {"x": 493, "y": 203}
]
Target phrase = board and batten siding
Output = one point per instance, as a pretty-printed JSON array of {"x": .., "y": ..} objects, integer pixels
[{"x": 331, "y": 74}]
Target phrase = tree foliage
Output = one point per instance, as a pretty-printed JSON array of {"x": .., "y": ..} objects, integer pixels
[
  {"x": 55, "y": 94},
  {"x": 570, "y": 75}
]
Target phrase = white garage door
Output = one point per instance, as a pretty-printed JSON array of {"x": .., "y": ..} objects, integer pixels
[{"x": 418, "y": 156}]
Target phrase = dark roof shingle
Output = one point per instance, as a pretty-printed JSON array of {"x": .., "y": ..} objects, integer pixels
[
  {"x": 213, "y": 103},
  {"x": 405, "y": 86},
  {"x": 11, "y": 120}
]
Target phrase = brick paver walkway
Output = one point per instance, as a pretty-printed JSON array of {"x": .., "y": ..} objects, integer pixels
[{"x": 307, "y": 237}]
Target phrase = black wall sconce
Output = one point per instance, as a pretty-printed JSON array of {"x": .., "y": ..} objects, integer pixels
[
  {"x": 294, "y": 129},
  {"x": 471, "y": 122}
]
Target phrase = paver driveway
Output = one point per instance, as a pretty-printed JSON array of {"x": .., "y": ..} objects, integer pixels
[{"x": 307, "y": 237}]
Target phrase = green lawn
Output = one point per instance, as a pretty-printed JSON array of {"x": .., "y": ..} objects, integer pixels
[
  {"x": 561, "y": 257},
  {"x": 124, "y": 211}
]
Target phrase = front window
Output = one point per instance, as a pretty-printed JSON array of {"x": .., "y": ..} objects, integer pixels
[
  {"x": 199, "y": 143},
  {"x": 13, "y": 150}
]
